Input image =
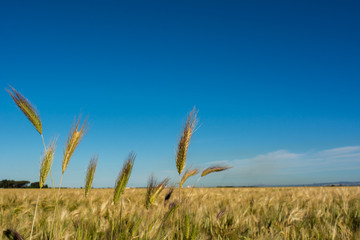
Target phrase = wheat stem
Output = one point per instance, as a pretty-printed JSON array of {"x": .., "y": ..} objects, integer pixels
[
  {"x": 36, "y": 206},
  {"x": 179, "y": 204},
  {"x": 57, "y": 198}
]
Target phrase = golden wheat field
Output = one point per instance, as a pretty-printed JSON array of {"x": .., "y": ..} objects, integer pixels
[{"x": 205, "y": 213}]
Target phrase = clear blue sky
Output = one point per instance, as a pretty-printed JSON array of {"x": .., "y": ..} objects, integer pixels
[{"x": 276, "y": 84}]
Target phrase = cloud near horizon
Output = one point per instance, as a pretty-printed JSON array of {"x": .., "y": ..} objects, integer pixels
[{"x": 285, "y": 167}]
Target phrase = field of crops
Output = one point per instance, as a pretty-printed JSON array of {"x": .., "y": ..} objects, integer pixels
[{"x": 205, "y": 213}]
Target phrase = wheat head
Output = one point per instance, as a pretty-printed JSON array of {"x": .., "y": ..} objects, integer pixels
[
  {"x": 214, "y": 169},
  {"x": 154, "y": 190},
  {"x": 168, "y": 195},
  {"x": 75, "y": 136},
  {"x": 90, "y": 174},
  {"x": 12, "y": 234},
  {"x": 150, "y": 187},
  {"x": 184, "y": 141},
  {"x": 188, "y": 173},
  {"x": 26, "y": 107},
  {"x": 46, "y": 162},
  {"x": 123, "y": 177}
]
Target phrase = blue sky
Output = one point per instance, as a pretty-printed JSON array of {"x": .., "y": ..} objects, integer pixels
[{"x": 276, "y": 85}]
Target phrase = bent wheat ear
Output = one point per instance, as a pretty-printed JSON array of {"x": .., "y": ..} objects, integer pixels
[
  {"x": 185, "y": 140},
  {"x": 158, "y": 189},
  {"x": 12, "y": 234},
  {"x": 168, "y": 195},
  {"x": 213, "y": 169},
  {"x": 90, "y": 174},
  {"x": 172, "y": 207},
  {"x": 26, "y": 107},
  {"x": 47, "y": 162},
  {"x": 154, "y": 190},
  {"x": 75, "y": 136},
  {"x": 123, "y": 177},
  {"x": 149, "y": 190},
  {"x": 188, "y": 173}
]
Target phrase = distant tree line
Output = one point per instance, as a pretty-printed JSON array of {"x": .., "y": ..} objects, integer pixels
[{"x": 5, "y": 183}]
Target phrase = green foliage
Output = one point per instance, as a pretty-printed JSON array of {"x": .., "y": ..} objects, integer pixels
[
  {"x": 19, "y": 184},
  {"x": 13, "y": 184}
]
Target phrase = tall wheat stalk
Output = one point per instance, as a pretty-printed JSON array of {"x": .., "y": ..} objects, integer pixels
[
  {"x": 46, "y": 163},
  {"x": 90, "y": 174},
  {"x": 123, "y": 179},
  {"x": 183, "y": 144},
  {"x": 75, "y": 136},
  {"x": 32, "y": 115}
]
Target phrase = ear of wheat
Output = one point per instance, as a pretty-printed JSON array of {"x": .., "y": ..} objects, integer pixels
[
  {"x": 185, "y": 140},
  {"x": 75, "y": 136},
  {"x": 123, "y": 177},
  {"x": 168, "y": 195},
  {"x": 12, "y": 234},
  {"x": 214, "y": 169},
  {"x": 188, "y": 173},
  {"x": 46, "y": 162},
  {"x": 154, "y": 190},
  {"x": 158, "y": 189},
  {"x": 90, "y": 174},
  {"x": 149, "y": 190},
  {"x": 26, "y": 107},
  {"x": 172, "y": 207}
]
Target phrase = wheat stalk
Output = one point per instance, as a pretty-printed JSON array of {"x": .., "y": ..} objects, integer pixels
[
  {"x": 27, "y": 108},
  {"x": 172, "y": 207},
  {"x": 149, "y": 191},
  {"x": 75, "y": 137},
  {"x": 154, "y": 190},
  {"x": 90, "y": 174},
  {"x": 168, "y": 195},
  {"x": 45, "y": 167},
  {"x": 188, "y": 173},
  {"x": 47, "y": 162},
  {"x": 214, "y": 169},
  {"x": 183, "y": 146},
  {"x": 12, "y": 234},
  {"x": 184, "y": 141},
  {"x": 123, "y": 177},
  {"x": 30, "y": 112}
]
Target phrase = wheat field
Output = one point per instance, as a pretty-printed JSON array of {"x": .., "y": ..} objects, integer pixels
[
  {"x": 205, "y": 213},
  {"x": 158, "y": 212}
]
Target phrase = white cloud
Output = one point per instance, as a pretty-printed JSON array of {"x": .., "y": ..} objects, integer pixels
[
  {"x": 285, "y": 167},
  {"x": 341, "y": 150}
]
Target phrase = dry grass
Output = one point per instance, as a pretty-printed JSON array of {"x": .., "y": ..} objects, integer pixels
[{"x": 213, "y": 213}]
